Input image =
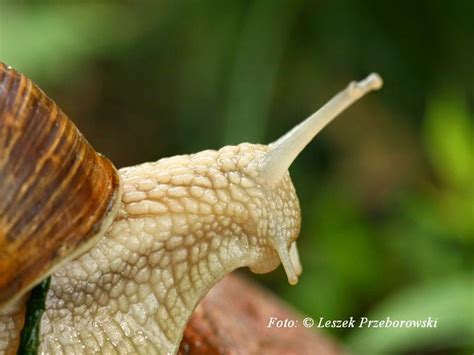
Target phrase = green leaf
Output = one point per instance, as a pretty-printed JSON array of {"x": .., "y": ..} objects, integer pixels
[
  {"x": 29, "y": 339},
  {"x": 448, "y": 134},
  {"x": 259, "y": 53},
  {"x": 449, "y": 301},
  {"x": 46, "y": 41}
]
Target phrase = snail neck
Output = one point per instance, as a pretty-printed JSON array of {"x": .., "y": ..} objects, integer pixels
[
  {"x": 134, "y": 291},
  {"x": 208, "y": 260},
  {"x": 169, "y": 244}
]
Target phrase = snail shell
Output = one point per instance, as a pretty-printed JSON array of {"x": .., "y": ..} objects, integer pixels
[{"x": 57, "y": 195}]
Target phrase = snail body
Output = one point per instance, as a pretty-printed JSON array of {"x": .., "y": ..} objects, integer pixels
[{"x": 178, "y": 227}]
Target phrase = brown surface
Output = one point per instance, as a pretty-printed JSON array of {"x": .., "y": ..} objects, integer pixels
[
  {"x": 55, "y": 189},
  {"x": 233, "y": 318}
]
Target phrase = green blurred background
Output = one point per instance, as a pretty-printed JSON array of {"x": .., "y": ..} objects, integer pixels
[{"x": 387, "y": 190}]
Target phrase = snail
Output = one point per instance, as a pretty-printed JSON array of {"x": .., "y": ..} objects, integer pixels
[{"x": 132, "y": 251}]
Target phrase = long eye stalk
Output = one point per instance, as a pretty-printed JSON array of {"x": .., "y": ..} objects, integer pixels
[{"x": 285, "y": 150}]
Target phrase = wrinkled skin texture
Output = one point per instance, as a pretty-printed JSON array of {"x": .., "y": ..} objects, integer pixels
[
  {"x": 12, "y": 318},
  {"x": 184, "y": 223}
]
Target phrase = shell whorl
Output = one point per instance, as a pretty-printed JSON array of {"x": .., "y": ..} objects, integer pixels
[{"x": 57, "y": 195}]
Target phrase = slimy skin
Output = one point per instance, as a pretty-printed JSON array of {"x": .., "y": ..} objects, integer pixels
[
  {"x": 183, "y": 223},
  {"x": 12, "y": 319}
]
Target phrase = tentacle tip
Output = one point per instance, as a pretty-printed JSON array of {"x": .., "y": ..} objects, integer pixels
[
  {"x": 290, "y": 261},
  {"x": 293, "y": 280},
  {"x": 374, "y": 81},
  {"x": 357, "y": 89}
]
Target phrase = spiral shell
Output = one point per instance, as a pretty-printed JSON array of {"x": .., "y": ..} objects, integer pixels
[{"x": 57, "y": 195}]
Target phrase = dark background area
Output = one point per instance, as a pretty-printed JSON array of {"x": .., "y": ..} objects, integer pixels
[{"x": 387, "y": 190}]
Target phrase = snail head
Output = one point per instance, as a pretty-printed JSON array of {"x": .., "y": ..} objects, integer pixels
[{"x": 281, "y": 226}]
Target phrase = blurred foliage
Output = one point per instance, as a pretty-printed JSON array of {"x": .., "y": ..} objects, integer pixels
[
  {"x": 454, "y": 318},
  {"x": 387, "y": 191}
]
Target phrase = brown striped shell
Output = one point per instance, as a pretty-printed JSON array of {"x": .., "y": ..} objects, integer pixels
[{"x": 57, "y": 195}]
